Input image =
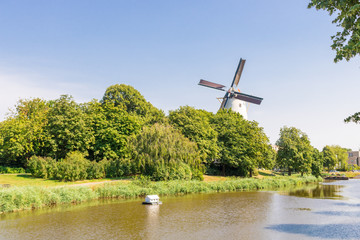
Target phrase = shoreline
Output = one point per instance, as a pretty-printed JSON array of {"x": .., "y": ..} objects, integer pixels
[{"x": 35, "y": 197}]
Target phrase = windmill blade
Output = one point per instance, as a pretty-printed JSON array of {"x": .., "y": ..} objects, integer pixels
[
  {"x": 225, "y": 99},
  {"x": 238, "y": 72},
  {"x": 211, "y": 85},
  {"x": 247, "y": 98}
]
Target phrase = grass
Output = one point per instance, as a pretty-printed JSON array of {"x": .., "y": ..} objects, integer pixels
[
  {"x": 26, "y": 179},
  {"x": 29, "y": 197}
]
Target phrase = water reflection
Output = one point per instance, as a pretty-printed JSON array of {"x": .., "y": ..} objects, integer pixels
[{"x": 321, "y": 191}]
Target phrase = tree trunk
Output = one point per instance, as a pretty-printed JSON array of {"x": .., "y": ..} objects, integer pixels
[
  {"x": 223, "y": 170},
  {"x": 302, "y": 174},
  {"x": 289, "y": 172},
  {"x": 250, "y": 173}
]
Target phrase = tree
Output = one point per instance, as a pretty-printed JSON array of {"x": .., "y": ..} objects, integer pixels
[
  {"x": 195, "y": 125},
  {"x": 295, "y": 151},
  {"x": 23, "y": 134},
  {"x": 317, "y": 163},
  {"x": 243, "y": 144},
  {"x": 335, "y": 156},
  {"x": 347, "y": 42},
  {"x": 67, "y": 126},
  {"x": 110, "y": 126},
  {"x": 132, "y": 102},
  {"x": 163, "y": 153},
  {"x": 329, "y": 157}
]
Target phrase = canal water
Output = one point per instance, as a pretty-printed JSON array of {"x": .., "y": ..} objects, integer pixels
[{"x": 325, "y": 211}]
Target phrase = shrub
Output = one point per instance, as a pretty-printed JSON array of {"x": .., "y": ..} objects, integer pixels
[
  {"x": 73, "y": 167},
  {"x": 118, "y": 168},
  {"x": 38, "y": 166},
  {"x": 11, "y": 170}
]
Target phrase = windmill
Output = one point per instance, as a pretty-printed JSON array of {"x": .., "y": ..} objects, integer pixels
[{"x": 234, "y": 99}]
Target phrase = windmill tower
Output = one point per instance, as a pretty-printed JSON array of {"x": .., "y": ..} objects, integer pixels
[{"x": 234, "y": 99}]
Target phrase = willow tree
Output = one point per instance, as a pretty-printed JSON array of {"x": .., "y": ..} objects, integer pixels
[{"x": 163, "y": 153}]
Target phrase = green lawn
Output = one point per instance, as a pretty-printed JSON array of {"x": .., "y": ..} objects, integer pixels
[{"x": 25, "y": 179}]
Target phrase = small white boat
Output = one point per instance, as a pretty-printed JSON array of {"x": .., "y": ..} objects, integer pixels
[{"x": 152, "y": 199}]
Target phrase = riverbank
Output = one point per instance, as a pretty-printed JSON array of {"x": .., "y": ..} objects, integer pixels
[{"x": 31, "y": 197}]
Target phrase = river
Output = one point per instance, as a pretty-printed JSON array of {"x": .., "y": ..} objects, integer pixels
[{"x": 325, "y": 211}]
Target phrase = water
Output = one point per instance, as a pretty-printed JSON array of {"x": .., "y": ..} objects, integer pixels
[{"x": 326, "y": 211}]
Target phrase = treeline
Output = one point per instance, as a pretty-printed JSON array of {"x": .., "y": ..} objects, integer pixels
[
  {"x": 296, "y": 154},
  {"x": 123, "y": 134}
]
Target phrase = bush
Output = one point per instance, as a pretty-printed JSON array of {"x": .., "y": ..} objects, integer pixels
[
  {"x": 73, "y": 167},
  {"x": 38, "y": 166},
  {"x": 11, "y": 170},
  {"x": 118, "y": 168}
]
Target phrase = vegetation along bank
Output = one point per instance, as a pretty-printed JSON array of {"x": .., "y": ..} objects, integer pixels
[{"x": 30, "y": 197}]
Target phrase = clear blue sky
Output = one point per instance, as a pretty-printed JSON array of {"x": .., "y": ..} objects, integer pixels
[{"x": 163, "y": 48}]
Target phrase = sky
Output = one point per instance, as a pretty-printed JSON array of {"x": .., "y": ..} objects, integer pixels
[{"x": 163, "y": 48}]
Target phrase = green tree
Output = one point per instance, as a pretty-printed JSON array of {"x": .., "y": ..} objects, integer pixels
[
  {"x": 295, "y": 152},
  {"x": 110, "y": 126},
  {"x": 67, "y": 126},
  {"x": 163, "y": 153},
  {"x": 329, "y": 157},
  {"x": 346, "y": 43},
  {"x": 23, "y": 134},
  {"x": 317, "y": 163},
  {"x": 133, "y": 102},
  {"x": 195, "y": 125},
  {"x": 243, "y": 144},
  {"x": 337, "y": 158}
]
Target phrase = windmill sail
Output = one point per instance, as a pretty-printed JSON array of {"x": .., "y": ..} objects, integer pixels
[
  {"x": 238, "y": 72},
  {"x": 211, "y": 85},
  {"x": 247, "y": 98}
]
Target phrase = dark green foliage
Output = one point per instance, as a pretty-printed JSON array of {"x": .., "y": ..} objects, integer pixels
[
  {"x": 243, "y": 144},
  {"x": 317, "y": 163},
  {"x": 118, "y": 168},
  {"x": 129, "y": 99},
  {"x": 67, "y": 126},
  {"x": 73, "y": 168},
  {"x": 347, "y": 42},
  {"x": 11, "y": 170},
  {"x": 195, "y": 125},
  {"x": 295, "y": 152},
  {"x": 163, "y": 153},
  {"x": 111, "y": 126}
]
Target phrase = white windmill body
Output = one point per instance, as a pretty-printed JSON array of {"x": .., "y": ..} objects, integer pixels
[
  {"x": 234, "y": 99},
  {"x": 238, "y": 106}
]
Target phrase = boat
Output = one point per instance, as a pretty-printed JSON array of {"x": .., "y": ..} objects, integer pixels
[{"x": 152, "y": 200}]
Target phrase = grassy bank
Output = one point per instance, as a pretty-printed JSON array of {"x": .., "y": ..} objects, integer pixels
[{"x": 29, "y": 197}]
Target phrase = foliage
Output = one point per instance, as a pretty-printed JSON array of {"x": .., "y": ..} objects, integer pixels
[
  {"x": 195, "y": 125},
  {"x": 129, "y": 99},
  {"x": 67, "y": 126},
  {"x": 118, "y": 167},
  {"x": 243, "y": 144},
  {"x": 163, "y": 153},
  {"x": 11, "y": 170},
  {"x": 110, "y": 126},
  {"x": 317, "y": 163},
  {"x": 295, "y": 152},
  {"x": 23, "y": 134},
  {"x": 29, "y": 197},
  {"x": 335, "y": 156},
  {"x": 347, "y": 42}
]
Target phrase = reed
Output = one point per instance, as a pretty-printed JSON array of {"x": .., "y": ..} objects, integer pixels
[{"x": 30, "y": 197}]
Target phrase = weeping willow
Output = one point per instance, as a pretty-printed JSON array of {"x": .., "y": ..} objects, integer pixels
[{"x": 163, "y": 153}]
